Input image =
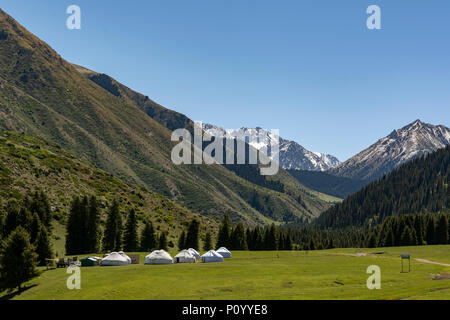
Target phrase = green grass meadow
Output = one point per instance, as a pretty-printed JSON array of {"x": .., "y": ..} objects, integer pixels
[{"x": 327, "y": 274}]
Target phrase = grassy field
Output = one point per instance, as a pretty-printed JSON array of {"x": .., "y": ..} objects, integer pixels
[{"x": 327, "y": 274}]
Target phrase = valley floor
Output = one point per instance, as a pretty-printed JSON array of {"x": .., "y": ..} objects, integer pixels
[{"x": 327, "y": 274}]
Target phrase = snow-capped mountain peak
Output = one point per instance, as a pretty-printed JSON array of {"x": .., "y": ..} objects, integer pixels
[
  {"x": 291, "y": 154},
  {"x": 401, "y": 145}
]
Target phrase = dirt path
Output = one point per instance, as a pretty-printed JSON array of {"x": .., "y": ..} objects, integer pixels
[{"x": 432, "y": 262}]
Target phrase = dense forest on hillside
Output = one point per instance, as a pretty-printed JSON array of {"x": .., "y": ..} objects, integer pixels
[
  {"x": 419, "y": 186},
  {"x": 405, "y": 230},
  {"x": 340, "y": 187}
]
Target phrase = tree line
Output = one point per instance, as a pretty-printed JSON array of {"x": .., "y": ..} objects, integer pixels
[
  {"x": 395, "y": 231},
  {"x": 84, "y": 232},
  {"x": 254, "y": 239}
]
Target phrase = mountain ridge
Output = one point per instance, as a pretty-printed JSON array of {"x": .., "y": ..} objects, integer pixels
[
  {"x": 291, "y": 154},
  {"x": 401, "y": 145}
]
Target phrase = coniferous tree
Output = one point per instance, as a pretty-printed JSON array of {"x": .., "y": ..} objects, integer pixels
[
  {"x": 12, "y": 217},
  {"x": 192, "y": 235},
  {"x": 207, "y": 245},
  {"x": 372, "y": 241},
  {"x": 131, "y": 240},
  {"x": 75, "y": 228},
  {"x": 418, "y": 226},
  {"x": 2, "y": 225},
  {"x": 39, "y": 204},
  {"x": 112, "y": 240},
  {"x": 182, "y": 241},
  {"x": 148, "y": 240},
  {"x": 223, "y": 239},
  {"x": 35, "y": 227},
  {"x": 163, "y": 241},
  {"x": 270, "y": 239},
  {"x": 43, "y": 246},
  {"x": 119, "y": 232},
  {"x": 93, "y": 229},
  {"x": 25, "y": 219},
  {"x": 406, "y": 238},
  {"x": 17, "y": 260},
  {"x": 237, "y": 238},
  {"x": 258, "y": 239},
  {"x": 430, "y": 234},
  {"x": 442, "y": 229},
  {"x": 312, "y": 244},
  {"x": 249, "y": 239}
]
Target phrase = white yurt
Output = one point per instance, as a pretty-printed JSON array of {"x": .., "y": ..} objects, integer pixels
[
  {"x": 224, "y": 252},
  {"x": 194, "y": 253},
  {"x": 114, "y": 259},
  {"x": 185, "y": 256},
  {"x": 212, "y": 256},
  {"x": 158, "y": 257},
  {"x": 123, "y": 254}
]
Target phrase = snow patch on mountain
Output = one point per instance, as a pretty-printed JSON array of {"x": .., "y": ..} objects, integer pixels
[
  {"x": 388, "y": 153},
  {"x": 291, "y": 154}
]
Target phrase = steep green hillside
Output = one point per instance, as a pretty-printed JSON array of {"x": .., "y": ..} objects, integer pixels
[
  {"x": 419, "y": 186},
  {"x": 45, "y": 96},
  {"x": 28, "y": 164},
  {"x": 172, "y": 120}
]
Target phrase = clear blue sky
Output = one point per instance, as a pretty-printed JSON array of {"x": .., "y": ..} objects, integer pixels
[{"x": 309, "y": 68}]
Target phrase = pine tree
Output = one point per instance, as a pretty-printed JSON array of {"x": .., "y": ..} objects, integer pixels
[
  {"x": 43, "y": 246},
  {"x": 223, "y": 239},
  {"x": 17, "y": 260},
  {"x": 84, "y": 220},
  {"x": 148, "y": 240},
  {"x": 192, "y": 235},
  {"x": 288, "y": 243},
  {"x": 112, "y": 240},
  {"x": 430, "y": 234},
  {"x": 418, "y": 226},
  {"x": 163, "y": 241},
  {"x": 237, "y": 238},
  {"x": 25, "y": 219},
  {"x": 119, "y": 232},
  {"x": 311, "y": 244},
  {"x": 39, "y": 203},
  {"x": 2, "y": 225},
  {"x": 406, "y": 238},
  {"x": 249, "y": 239},
  {"x": 372, "y": 241},
  {"x": 12, "y": 217},
  {"x": 207, "y": 245},
  {"x": 258, "y": 239},
  {"x": 131, "y": 240},
  {"x": 442, "y": 229},
  {"x": 270, "y": 239},
  {"x": 75, "y": 228},
  {"x": 35, "y": 227},
  {"x": 182, "y": 241},
  {"x": 330, "y": 243},
  {"x": 93, "y": 229}
]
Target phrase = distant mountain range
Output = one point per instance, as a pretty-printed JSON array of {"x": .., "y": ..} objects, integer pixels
[
  {"x": 388, "y": 153},
  {"x": 407, "y": 143},
  {"x": 291, "y": 156}
]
